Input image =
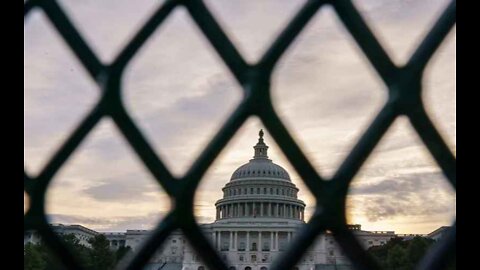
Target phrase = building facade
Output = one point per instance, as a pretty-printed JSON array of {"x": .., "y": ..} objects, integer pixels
[{"x": 256, "y": 219}]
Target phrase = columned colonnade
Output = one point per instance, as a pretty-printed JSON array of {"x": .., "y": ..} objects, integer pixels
[
  {"x": 260, "y": 209},
  {"x": 251, "y": 237}
]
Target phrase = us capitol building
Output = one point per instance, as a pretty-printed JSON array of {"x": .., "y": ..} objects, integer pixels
[{"x": 256, "y": 219}]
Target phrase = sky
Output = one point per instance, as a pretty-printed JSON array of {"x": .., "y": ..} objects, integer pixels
[{"x": 180, "y": 92}]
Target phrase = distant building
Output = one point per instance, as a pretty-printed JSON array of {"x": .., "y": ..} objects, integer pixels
[
  {"x": 256, "y": 219},
  {"x": 83, "y": 234},
  {"x": 438, "y": 233},
  {"x": 410, "y": 236}
]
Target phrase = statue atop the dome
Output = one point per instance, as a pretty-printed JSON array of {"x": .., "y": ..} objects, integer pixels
[{"x": 261, "y": 148}]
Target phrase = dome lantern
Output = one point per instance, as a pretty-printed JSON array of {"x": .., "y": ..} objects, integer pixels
[
  {"x": 260, "y": 148},
  {"x": 260, "y": 166}
]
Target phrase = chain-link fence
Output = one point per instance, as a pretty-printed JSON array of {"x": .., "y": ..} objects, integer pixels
[{"x": 404, "y": 90}]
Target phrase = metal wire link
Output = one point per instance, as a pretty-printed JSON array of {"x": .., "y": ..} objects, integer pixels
[{"x": 404, "y": 89}]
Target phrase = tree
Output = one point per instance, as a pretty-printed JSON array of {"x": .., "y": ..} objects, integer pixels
[
  {"x": 397, "y": 258},
  {"x": 79, "y": 251},
  {"x": 101, "y": 257},
  {"x": 33, "y": 258},
  {"x": 400, "y": 254},
  {"x": 417, "y": 248}
]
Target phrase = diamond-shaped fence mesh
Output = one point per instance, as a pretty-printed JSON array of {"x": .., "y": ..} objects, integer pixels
[{"x": 404, "y": 89}]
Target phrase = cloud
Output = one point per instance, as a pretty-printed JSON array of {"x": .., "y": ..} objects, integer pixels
[
  {"x": 117, "y": 223},
  {"x": 415, "y": 195},
  {"x": 179, "y": 92},
  {"x": 123, "y": 189}
]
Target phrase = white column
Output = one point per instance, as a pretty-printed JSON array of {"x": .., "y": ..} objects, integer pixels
[
  {"x": 276, "y": 240},
  {"x": 269, "y": 209},
  {"x": 261, "y": 209},
  {"x": 284, "y": 210},
  {"x": 247, "y": 248},
  {"x": 235, "y": 242},
  {"x": 271, "y": 241},
  {"x": 259, "y": 245},
  {"x": 230, "y": 244},
  {"x": 214, "y": 240},
  {"x": 219, "y": 247},
  {"x": 289, "y": 236}
]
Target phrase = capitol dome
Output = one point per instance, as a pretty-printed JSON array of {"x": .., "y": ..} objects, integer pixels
[
  {"x": 260, "y": 189},
  {"x": 260, "y": 166}
]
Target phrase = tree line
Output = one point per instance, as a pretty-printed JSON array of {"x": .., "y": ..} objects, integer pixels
[
  {"x": 99, "y": 256},
  {"x": 396, "y": 254},
  {"x": 400, "y": 254}
]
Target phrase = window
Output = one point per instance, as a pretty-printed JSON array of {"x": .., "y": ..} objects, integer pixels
[
  {"x": 266, "y": 246},
  {"x": 251, "y": 190},
  {"x": 240, "y": 258},
  {"x": 271, "y": 190},
  {"x": 201, "y": 268},
  {"x": 264, "y": 190},
  {"x": 254, "y": 246},
  {"x": 258, "y": 190},
  {"x": 241, "y": 246},
  {"x": 224, "y": 246},
  {"x": 254, "y": 258},
  {"x": 174, "y": 241}
]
